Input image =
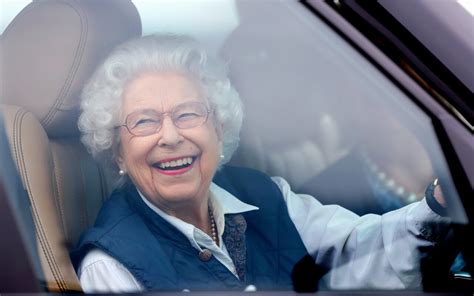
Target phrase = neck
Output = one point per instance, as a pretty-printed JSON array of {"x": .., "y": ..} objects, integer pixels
[
  {"x": 195, "y": 212},
  {"x": 202, "y": 218},
  {"x": 198, "y": 215}
]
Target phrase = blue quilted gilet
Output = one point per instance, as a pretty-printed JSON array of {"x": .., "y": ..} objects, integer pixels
[{"x": 264, "y": 244}]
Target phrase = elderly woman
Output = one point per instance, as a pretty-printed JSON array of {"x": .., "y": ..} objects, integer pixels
[{"x": 166, "y": 116}]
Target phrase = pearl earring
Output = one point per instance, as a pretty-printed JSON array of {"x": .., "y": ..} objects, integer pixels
[
  {"x": 121, "y": 172},
  {"x": 222, "y": 156}
]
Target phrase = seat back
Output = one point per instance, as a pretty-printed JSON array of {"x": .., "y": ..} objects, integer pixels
[{"x": 48, "y": 52}]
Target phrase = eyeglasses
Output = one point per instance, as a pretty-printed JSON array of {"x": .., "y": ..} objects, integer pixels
[{"x": 184, "y": 116}]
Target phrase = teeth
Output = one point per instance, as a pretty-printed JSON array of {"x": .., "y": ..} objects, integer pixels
[{"x": 175, "y": 163}]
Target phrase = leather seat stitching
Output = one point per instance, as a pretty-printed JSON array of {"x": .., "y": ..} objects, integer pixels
[
  {"x": 17, "y": 142},
  {"x": 40, "y": 231},
  {"x": 18, "y": 113},
  {"x": 58, "y": 199},
  {"x": 73, "y": 70}
]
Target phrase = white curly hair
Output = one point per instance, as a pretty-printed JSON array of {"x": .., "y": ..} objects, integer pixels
[{"x": 101, "y": 100}]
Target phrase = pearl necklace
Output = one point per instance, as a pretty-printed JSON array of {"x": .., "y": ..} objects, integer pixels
[{"x": 213, "y": 227}]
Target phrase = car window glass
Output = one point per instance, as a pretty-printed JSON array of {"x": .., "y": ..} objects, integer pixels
[
  {"x": 319, "y": 114},
  {"x": 467, "y": 5},
  {"x": 209, "y": 21},
  {"x": 8, "y": 10},
  {"x": 368, "y": 116}
]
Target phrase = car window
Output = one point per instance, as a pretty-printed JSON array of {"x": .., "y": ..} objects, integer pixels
[
  {"x": 320, "y": 115},
  {"x": 317, "y": 112},
  {"x": 353, "y": 127}
]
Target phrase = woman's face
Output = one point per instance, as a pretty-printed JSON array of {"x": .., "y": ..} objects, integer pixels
[{"x": 142, "y": 157}]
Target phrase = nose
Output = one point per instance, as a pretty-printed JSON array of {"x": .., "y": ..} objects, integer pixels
[{"x": 169, "y": 134}]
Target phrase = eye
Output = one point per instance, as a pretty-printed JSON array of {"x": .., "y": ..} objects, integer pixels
[
  {"x": 187, "y": 116},
  {"x": 190, "y": 114},
  {"x": 146, "y": 121},
  {"x": 143, "y": 121}
]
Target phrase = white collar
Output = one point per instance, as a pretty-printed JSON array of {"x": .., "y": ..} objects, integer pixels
[
  {"x": 229, "y": 204},
  {"x": 222, "y": 201}
]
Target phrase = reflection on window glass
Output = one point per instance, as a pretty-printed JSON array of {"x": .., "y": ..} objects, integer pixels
[
  {"x": 468, "y": 5},
  {"x": 317, "y": 114},
  {"x": 209, "y": 21},
  {"x": 8, "y": 10},
  {"x": 323, "y": 117}
]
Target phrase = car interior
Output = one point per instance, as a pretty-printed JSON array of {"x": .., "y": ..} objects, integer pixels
[{"x": 51, "y": 48}]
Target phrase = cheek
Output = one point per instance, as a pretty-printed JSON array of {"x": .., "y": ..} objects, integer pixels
[
  {"x": 134, "y": 151},
  {"x": 213, "y": 148}
]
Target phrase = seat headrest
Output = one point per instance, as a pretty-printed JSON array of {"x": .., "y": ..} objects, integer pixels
[{"x": 52, "y": 47}]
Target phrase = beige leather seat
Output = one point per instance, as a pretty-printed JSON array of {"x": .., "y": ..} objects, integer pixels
[{"x": 47, "y": 53}]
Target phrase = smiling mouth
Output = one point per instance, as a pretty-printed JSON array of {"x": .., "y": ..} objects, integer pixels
[{"x": 176, "y": 164}]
